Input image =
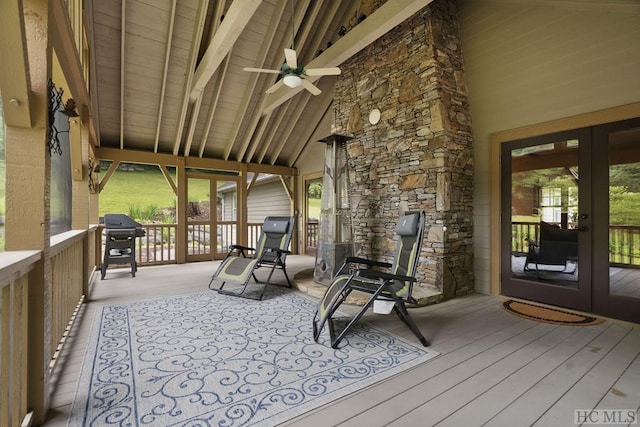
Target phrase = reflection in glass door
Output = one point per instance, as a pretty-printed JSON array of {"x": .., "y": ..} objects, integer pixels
[{"x": 545, "y": 219}]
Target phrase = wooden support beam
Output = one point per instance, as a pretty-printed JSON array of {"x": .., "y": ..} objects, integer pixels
[
  {"x": 235, "y": 20},
  {"x": 14, "y": 73},
  {"x": 123, "y": 23},
  {"x": 321, "y": 115},
  {"x": 165, "y": 73},
  {"x": 150, "y": 158},
  {"x": 191, "y": 63},
  {"x": 108, "y": 174},
  {"x": 253, "y": 81},
  {"x": 292, "y": 121},
  {"x": 168, "y": 178},
  {"x": 220, "y": 75}
]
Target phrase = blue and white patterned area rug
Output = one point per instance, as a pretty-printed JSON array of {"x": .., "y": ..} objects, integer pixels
[{"x": 209, "y": 359}]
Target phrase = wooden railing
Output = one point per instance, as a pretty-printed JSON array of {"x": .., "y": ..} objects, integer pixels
[
  {"x": 15, "y": 369},
  {"x": 158, "y": 245},
  {"x": 624, "y": 245},
  {"x": 624, "y": 241},
  {"x": 67, "y": 283},
  {"x": 312, "y": 234},
  {"x": 35, "y": 319}
]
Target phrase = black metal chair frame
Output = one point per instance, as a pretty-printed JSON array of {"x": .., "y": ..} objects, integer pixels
[
  {"x": 267, "y": 255},
  {"x": 381, "y": 285}
]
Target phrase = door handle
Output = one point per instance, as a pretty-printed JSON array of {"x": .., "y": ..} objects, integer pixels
[{"x": 583, "y": 228}]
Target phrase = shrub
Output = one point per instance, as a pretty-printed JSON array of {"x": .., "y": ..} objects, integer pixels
[{"x": 147, "y": 213}]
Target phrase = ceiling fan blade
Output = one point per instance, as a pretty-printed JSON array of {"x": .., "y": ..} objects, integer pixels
[
  {"x": 261, "y": 70},
  {"x": 275, "y": 87},
  {"x": 332, "y": 71},
  {"x": 291, "y": 58},
  {"x": 310, "y": 87}
]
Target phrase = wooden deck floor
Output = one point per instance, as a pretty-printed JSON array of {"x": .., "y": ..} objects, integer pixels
[{"x": 494, "y": 369}]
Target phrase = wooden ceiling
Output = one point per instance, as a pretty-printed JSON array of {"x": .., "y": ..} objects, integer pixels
[{"x": 167, "y": 75}]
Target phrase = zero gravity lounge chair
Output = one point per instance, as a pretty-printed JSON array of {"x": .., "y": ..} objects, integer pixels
[
  {"x": 237, "y": 268},
  {"x": 392, "y": 288}
]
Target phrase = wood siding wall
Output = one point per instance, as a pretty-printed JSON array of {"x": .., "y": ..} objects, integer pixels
[
  {"x": 267, "y": 199},
  {"x": 532, "y": 62}
]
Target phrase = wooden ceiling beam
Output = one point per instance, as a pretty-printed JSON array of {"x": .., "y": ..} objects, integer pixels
[
  {"x": 268, "y": 139},
  {"x": 165, "y": 73},
  {"x": 311, "y": 50},
  {"x": 267, "y": 42},
  {"x": 308, "y": 51},
  {"x": 304, "y": 32},
  {"x": 217, "y": 84},
  {"x": 217, "y": 88},
  {"x": 123, "y": 21},
  {"x": 292, "y": 121},
  {"x": 235, "y": 20},
  {"x": 193, "y": 122},
  {"x": 15, "y": 84},
  {"x": 250, "y": 136},
  {"x": 94, "y": 117},
  {"x": 195, "y": 112},
  {"x": 191, "y": 63},
  {"x": 257, "y": 135},
  {"x": 321, "y": 112},
  {"x": 150, "y": 158},
  {"x": 390, "y": 14}
]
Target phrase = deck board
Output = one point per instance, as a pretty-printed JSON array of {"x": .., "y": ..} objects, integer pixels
[
  {"x": 588, "y": 391},
  {"x": 496, "y": 398},
  {"x": 532, "y": 405},
  {"x": 494, "y": 368}
]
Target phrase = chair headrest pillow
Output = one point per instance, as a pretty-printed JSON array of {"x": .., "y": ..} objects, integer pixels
[
  {"x": 408, "y": 225},
  {"x": 273, "y": 226}
]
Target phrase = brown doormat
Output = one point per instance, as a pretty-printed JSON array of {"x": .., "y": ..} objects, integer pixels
[{"x": 549, "y": 315}]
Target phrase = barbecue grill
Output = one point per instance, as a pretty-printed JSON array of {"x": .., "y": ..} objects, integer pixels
[{"x": 120, "y": 241}]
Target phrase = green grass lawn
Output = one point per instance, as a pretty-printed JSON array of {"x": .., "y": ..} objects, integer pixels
[
  {"x": 314, "y": 208},
  {"x": 143, "y": 188}
]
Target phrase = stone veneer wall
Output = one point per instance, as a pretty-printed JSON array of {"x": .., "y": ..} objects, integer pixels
[{"x": 419, "y": 155}]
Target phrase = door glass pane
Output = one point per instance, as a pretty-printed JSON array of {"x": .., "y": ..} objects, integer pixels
[
  {"x": 624, "y": 213},
  {"x": 544, "y": 212},
  {"x": 314, "y": 199},
  {"x": 226, "y": 211},
  {"x": 198, "y": 217}
]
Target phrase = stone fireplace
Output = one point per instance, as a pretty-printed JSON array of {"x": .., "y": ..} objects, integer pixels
[{"x": 419, "y": 154}]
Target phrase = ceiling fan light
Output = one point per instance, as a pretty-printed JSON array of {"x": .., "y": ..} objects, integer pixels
[{"x": 292, "y": 81}]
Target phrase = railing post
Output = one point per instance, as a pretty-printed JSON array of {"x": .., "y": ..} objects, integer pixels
[
  {"x": 37, "y": 358},
  {"x": 86, "y": 267}
]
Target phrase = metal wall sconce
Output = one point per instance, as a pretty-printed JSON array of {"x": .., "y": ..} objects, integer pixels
[
  {"x": 70, "y": 108},
  {"x": 55, "y": 105}
]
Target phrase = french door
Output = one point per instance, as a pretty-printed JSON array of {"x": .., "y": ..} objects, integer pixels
[
  {"x": 212, "y": 220},
  {"x": 570, "y": 219}
]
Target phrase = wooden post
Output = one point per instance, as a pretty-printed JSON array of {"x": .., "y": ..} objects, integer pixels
[
  {"x": 181, "y": 212},
  {"x": 243, "y": 231},
  {"x": 27, "y": 225},
  {"x": 37, "y": 347}
]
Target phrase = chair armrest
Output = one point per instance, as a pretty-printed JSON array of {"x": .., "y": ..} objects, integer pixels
[
  {"x": 358, "y": 260},
  {"x": 531, "y": 242},
  {"x": 375, "y": 274},
  {"x": 240, "y": 247},
  {"x": 278, "y": 250}
]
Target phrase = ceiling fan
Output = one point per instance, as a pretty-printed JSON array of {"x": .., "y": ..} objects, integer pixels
[{"x": 294, "y": 76}]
